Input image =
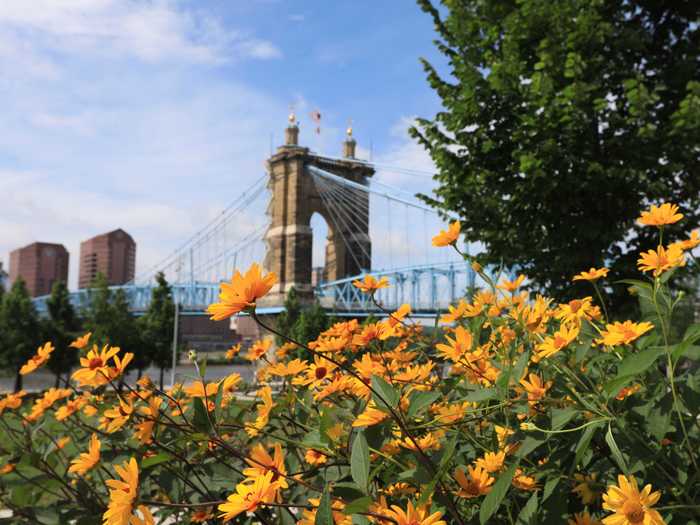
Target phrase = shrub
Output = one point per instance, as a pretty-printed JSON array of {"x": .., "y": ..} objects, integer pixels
[{"x": 517, "y": 410}]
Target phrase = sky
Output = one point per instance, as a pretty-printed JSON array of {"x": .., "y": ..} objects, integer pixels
[{"x": 152, "y": 115}]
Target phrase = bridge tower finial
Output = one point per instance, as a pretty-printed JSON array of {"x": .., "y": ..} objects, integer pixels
[
  {"x": 291, "y": 134},
  {"x": 349, "y": 144}
]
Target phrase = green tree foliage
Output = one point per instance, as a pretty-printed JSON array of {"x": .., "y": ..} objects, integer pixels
[
  {"x": 561, "y": 121},
  {"x": 61, "y": 328},
  {"x": 158, "y": 327},
  {"x": 99, "y": 312},
  {"x": 19, "y": 326},
  {"x": 303, "y": 324}
]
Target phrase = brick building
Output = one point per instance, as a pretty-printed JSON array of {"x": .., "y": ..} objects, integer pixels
[
  {"x": 112, "y": 254},
  {"x": 39, "y": 264}
]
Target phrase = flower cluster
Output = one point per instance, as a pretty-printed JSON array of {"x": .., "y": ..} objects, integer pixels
[{"x": 508, "y": 406}]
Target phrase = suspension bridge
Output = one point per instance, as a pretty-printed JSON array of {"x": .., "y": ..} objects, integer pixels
[{"x": 372, "y": 228}]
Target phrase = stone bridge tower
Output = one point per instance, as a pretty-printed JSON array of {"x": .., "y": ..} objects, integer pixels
[{"x": 294, "y": 200}]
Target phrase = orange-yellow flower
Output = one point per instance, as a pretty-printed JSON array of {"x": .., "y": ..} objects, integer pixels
[
  {"x": 661, "y": 259},
  {"x": 242, "y": 292},
  {"x": 122, "y": 494},
  {"x": 619, "y": 333},
  {"x": 660, "y": 215},
  {"x": 583, "y": 518},
  {"x": 233, "y": 351},
  {"x": 535, "y": 388},
  {"x": 370, "y": 285},
  {"x": 95, "y": 370},
  {"x": 87, "y": 460},
  {"x": 116, "y": 417},
  {"x": 370, "y": 416},
  {"x": 144, "y": 430},
  {"x": 315, "y": 457},
  {"x": 12, "y": 401},
  {"x": 249, "y": 495},
  {"x": 591, "y": 275},
  {"x": 292, "y": 368},
  {"x": 258, "y": 349},
  {"x": 691, "y": 242},
  {"x": 627, "y": 391},
  {"x": 474, "y": 483},
  {"x": 492, "y": 461},
  {"x": 456, "y": 348},
  {"x": 201, "y": 516},
  {"x": 7, "y": 468},
  {"x": 511, "y": 286},
  {"x": 553, "y": 344},
  {"x": 38, "y": 360},
  {"x": 261, "y": 463},
  {"x": 524, "y": 482},
  {"x": 449, "y": 236},
  {"x": 584, "y": 490},
  {"x": 264, "y": 410},
  {"x": 414, "y": 516},
  {"x": 81, "y": 342},
  {"x": 630, "y": 506},
  {"x": 146, "y": 519}
]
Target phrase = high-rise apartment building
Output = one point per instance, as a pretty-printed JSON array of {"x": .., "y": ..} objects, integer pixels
[
  {"x": 112, "y": 254},
  {"x": 39, "y": 264}
]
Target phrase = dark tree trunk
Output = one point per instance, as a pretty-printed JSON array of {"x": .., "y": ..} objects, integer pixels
[
  {"x": 57, "y": 380},
  {"x": 18, "y": 381},
  {"x": 162, "y": 371}
]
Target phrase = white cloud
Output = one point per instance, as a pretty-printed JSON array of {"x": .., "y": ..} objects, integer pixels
[{"x": 150, "y": 31}]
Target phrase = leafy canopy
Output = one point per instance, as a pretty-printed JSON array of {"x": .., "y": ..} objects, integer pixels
[{"x": 561, "y": 121}]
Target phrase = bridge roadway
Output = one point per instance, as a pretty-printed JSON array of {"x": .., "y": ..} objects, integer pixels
[{"x": 427, "y": 288}]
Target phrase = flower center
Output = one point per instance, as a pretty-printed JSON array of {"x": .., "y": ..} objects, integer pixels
[
  {"x": 559, "y": 342},
  {"x": 575, "y": 305},
  {"x": 321, "y": 372},
  {"x": 95, "y": 362},
  {"x": 634, "y": 511}
]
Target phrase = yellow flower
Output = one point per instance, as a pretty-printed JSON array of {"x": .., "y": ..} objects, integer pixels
[
  {"x": 7, "y": 468},
  {"x": 95, "y": 369},
  {"x": 12, "y": 401},
  {"x": 660, "y": 215},
  {"x": 315, "y": 457},
  {"x": 492, "y": 461},
  {"x": 201, "y": 516},
  {"x": 584, "y": 519},
  {"x": 535, "y": 388},
  {"x": 627, "y": 391},
  {"x": 370, "y": 416},
  {"x": 116, "y": 417},
  {"x": 38, "y": 360},
  {"x": 524, "y": 482},
  {"x": 630, "y": 506},
  {"x": 258, "y": 349},
  {"x": 511, "y": 286},
  {"x": 414, "y": 516},
  {"x": 61, "y": 443},
  {"x": 457, "y": 347},
  {"x": 241, "y": 292},
  {"x": 233, "y": 351},
  {"x": 476, "y": 482},
  {"x": 144, "y": 430},
  {"x": 661, "y": 259},
  {"x": 264, "y": 410},
  {"x": 81, "y": 342},
  {"x": 583, "y": 488},
  {"x": 619, "y": 333},
  {"x": 370, "y": 285},
  {"x": 591, "y": 275},
  {"x": 249, "y": 495},
  {"x": 122, "y": 494},
  {"x": 449, "y": 236},
  {"x": 70, "y": 408},
  {"x": 553, "y": 344},
  {"x": 691, "y": 242},
  {"x": 261, "y": 463},
  {"x": 87, "y": 460},
  {"x": 308, "y": 516},
  {"x": 292, "y": 368},
  {"x": 147, "y": 518}
]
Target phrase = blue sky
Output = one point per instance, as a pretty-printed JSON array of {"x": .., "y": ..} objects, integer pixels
[{"x": 151, "y": 115}]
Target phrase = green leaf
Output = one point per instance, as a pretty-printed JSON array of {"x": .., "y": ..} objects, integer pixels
[
  {"x": 324, "y": 514},
  {"x": 384, "y": 393},
  {"x": 155, "y": 460},
  {"x": 481, "y": 395},
  {"x": 635, "y": 364},
  {"x": 584, "y": 442},
  {"x": 200, "y": 421},
  {"x": 359, "y": 461},
  {"x": 561, "y": 416},
  {"x": 528, "y": 516},
  {"x": 615, "y": 451},
  {"x": 420, "y": 400},
  {"x": 498, "y": 491},
  {"x": 549, "y": 487},
  {"x": 358, "y": 505}
]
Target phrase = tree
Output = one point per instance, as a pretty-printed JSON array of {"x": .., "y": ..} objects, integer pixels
[
  {"x": 99, "y": 312},
  {"x": 561, "y": 121},
  {"x": 158, "y": 325},
  {"x": 311, "y": 322},
  {"x": 61, "y": 329},
  {"x": 19, "y": 326},
  {"x": 288, "y": 318}
]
